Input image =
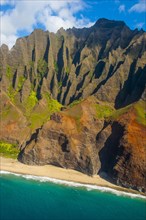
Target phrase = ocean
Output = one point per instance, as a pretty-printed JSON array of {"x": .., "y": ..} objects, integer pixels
[{"x": 25, "y": 197}]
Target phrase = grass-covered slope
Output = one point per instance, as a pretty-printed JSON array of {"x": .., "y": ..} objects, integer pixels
[
  {"x": 20, "y": 120},
  {"x": 108, "y": 112},
  {"x": 9, "y": 150},
  {"x": 139, "y": 109}
]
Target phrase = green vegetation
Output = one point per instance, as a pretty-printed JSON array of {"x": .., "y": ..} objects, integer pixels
[
  {"x": 76, "y": 102},
  {"x": 11, "y": 93},
  {"x": 91, "y": 74},
  {"x": 59, "y": 84},
  {"x": 9, "y": 74},
  {"x": 8, "y": 150},
  {"x": 67, "y": 70},
  {"x": 140, "y": 108},
  {"x": 56, "y": 67},
  {"x": 53, "y": 105},
  {"x": 31, "y": 64},
  {"x": 103, "y": 111},
  {"x": 119, "y": 112},
  {"x": 42, "y": 114},
  {"x": 30, "y": 103},
  {"x": 21, "y": 81},
  {"x": 37, "y": 119},
  {"x": 42, "y": 67},
  {"x": 108, "y": 112}
]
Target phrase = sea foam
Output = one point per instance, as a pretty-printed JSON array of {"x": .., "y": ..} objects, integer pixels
[{"x": 75, "y": 184}]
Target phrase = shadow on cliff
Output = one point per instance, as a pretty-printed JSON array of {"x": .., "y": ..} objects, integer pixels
[
  {"x": 133, "y": 87},
  {"x": 110, "y": 153},
  {"x": 29, "y": 159}
]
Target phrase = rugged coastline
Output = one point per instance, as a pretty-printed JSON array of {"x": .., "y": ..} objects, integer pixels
[
  {"x": 76, "y": 100},
  {"x": 69, "y": 176}
]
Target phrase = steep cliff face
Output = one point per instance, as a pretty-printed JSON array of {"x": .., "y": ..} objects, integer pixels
[
  {"x": 75, "y": 99},
  {"x": 123, "y": 155},
  {"x": 68, "y": 139},
  {"x": 130, "y": 169},
  {"x": 73, "y": 64},
  {"x": 79, "y": 138}
]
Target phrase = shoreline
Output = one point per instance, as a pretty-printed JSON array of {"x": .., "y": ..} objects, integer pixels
[{"x": 59, "y": 175}]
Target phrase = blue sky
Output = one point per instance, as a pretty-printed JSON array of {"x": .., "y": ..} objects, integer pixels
[{"x": 20, "y": 17}]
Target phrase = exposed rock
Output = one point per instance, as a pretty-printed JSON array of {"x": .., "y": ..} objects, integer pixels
[
  {"x": 101, "y": 65},
  {"x": 67, "y": 140},
  {"x": 77, "y": 139},
  {"x": 130, "y": 169},
  {"x": 105, "y": 58}
]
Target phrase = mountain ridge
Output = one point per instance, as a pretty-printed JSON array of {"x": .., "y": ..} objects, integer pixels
[
  {"x": 73, "y": 59},
  {"x": 81, "y": 91}
]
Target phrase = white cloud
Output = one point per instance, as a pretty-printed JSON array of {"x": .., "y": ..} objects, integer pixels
[
  {"x": 122, "y": 8},
  {"x": 52, "y": 14},
  {"x": 139, "y": 25},
  {"x": 9, "y": 40},
  {"x": 139, "y": 7},
  {"x": 5, "y": 2}
]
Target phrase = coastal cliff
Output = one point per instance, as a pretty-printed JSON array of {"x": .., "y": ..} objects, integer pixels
[
  {"x": 76, "y": 99},
  {"x": 78, "y": 138}
]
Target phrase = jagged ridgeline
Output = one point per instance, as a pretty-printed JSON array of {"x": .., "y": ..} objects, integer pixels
[
  {"x": 96, "y": 76},
  {"x": 107, "y": 60}
]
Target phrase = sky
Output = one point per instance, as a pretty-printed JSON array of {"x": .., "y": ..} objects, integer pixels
[{"x": 19, "y": 18}]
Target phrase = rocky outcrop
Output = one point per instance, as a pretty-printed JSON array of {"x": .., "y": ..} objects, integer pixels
[
  {"x": 130, "y": 169},
  {"x": 68, "y": 140},
  {"x": 77, "y": 139},
  {"x": 123, "y": 153}
]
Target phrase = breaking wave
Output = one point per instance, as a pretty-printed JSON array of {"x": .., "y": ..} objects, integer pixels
[{"x": 75, "y": 184}]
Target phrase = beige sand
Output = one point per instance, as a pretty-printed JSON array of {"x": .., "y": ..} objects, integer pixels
[{"x": 12, "y": 165}]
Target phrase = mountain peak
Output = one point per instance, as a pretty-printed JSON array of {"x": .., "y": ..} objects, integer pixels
[
  {"x": 92, "y": 72},
  {"x": 105, "y": 23},
  {"x": 4, "y": 47}
]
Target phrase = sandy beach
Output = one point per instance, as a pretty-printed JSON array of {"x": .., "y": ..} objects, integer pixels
[{"x": 11, "y": 165}]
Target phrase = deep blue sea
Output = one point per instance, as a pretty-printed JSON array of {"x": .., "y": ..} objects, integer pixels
[{"x": 24, "y": 198}]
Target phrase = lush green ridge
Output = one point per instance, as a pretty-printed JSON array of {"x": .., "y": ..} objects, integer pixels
[
  {"x": 103, "y": 111},
  {"x": 140, "y": 108},
  {"x": 107, "y": 112},
  {"x": 8, "y": 150},
  {"x": 36, "y": 115},
  {"x": 119, "y": 112},
  {"x": 42, "y": 114}
]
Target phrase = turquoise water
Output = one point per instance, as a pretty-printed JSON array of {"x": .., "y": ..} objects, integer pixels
[{"x": 21, "y": 199}]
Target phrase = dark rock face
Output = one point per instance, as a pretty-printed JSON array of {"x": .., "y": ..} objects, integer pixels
[
  {"x": 68, "y": 143},
  {"x": 104, "y": 64},
  {"x": 111, "y": 150},
  {"x": 108, "y": 57},
  {"x": 130, "y": 169},
  {"x": 115, "y": 150}
]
